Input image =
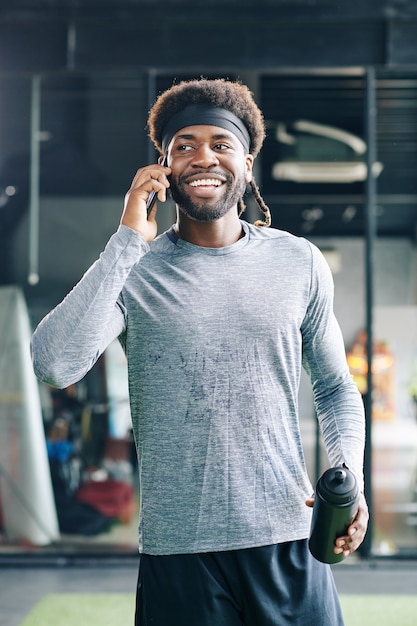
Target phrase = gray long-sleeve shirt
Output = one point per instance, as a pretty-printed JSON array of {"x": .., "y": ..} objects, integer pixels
[{"x": 215, "y": 339}]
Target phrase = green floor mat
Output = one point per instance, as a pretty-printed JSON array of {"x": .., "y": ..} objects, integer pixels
[
  {"x": 76, "y": 609},
  {"x": 116, "y": 608},
  {"x": 378, "y": 610}
]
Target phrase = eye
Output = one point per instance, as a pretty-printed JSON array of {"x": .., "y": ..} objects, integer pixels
[
  {"x": 184, "y": 147},
  {"x": 221, "y": 147}
]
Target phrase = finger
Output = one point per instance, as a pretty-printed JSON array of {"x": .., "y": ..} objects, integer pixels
[
  {"x": 159, "y": 186},
  {"x": 310, "y": 501},
  {"x": 345, "y": 551},
  {"x": 162, "y": 194},
  {"x": 154, "y": 170},
  {"x": 145, "y": 176},
  {"x": 341, "y": 541},
  {"x": 142, "y": 192},
  {"x": 343, "y": 546},
  {"x": 348, "y": 544}
]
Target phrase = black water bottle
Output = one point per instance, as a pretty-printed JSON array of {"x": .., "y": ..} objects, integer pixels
[{"x": 335, "y": 507}]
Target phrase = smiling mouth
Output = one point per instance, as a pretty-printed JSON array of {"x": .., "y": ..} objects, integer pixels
[{"x": 206, "y": 182}]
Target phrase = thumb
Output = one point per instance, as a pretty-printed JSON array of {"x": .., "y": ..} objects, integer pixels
[{"x": 310, "y": 501}]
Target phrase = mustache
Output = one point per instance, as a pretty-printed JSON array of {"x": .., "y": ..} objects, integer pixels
[{"x": 184, "y": 178}]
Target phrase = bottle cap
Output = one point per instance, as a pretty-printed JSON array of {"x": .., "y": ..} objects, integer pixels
[{"x": 337, "y": 485}]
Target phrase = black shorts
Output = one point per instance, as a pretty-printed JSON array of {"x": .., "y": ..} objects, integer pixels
[{"x": 276, "y": 585}]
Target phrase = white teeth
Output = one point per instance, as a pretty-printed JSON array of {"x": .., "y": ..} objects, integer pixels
[{"x": 206, "y": 182}]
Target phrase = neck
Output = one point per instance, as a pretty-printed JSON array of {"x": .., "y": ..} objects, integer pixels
[{"x": 217, "y": 234}]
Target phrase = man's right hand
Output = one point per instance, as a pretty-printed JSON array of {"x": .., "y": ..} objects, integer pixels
[{"x": 147, "y": 179}]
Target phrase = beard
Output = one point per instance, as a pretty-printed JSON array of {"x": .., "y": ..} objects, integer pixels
[{"x": 203, "y": 210}]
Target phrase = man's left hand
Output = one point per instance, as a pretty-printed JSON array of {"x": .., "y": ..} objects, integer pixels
[{"x": 355, "y": 533}]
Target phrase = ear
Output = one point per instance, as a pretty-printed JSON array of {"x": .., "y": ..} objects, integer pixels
[{"x": 248, "y": 167}]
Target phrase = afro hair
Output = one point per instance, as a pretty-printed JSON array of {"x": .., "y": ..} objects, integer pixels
[{"x": 219, "y": 92}]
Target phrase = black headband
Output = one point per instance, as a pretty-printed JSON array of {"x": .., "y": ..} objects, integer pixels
[{"x": 205, "y": 114}]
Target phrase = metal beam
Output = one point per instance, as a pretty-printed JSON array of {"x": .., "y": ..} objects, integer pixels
[
  {"x": 33, "y": 275},
  {"x": 370, "y": 236}
]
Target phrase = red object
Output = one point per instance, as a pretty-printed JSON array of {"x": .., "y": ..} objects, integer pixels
[{"x": 112, "y": 498}]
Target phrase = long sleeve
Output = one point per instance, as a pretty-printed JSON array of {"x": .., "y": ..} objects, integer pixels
[
  {"x": 70, "y": 339},
  {"x": 338, "y": 403}
]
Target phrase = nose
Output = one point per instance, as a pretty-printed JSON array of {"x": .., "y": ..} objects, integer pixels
[{"x": 204, "y": 156}]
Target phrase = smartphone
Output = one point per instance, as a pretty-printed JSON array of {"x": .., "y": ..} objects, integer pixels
[{"x": 152, "y": 195}]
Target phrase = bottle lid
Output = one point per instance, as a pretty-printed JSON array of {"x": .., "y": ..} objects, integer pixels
[{"x": 337, "y": 485}]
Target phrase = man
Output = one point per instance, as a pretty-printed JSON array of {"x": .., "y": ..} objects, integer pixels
[{"x": 215, "y": 317}]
